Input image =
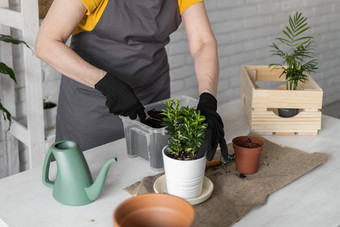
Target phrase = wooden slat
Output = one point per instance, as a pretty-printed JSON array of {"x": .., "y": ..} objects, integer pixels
[
  {"x": 259, "y": 110},
  {"x": 33, "y": 85},
  {"x": 248, "y": 86},
  {"x": 310, "y": 110},
  {"x": 20, "y": 132},
  {"x": 263, "y": 133},
  {"x": 13, "y": 155},
  {"x": 285, "y": 133},
  {"x": 245, "y": 80},
  {"x": 246, "y": 104},
  {"x": 11, "y": 18},
  {"x": 252, "y": 75},
  {"x": 301, "y": 99},
  {"x": 312, "y": 133},
  {"x": 270, "y": 121},
  {"x": 310, "y": 85},
  {"x": 264, "y": 73}
]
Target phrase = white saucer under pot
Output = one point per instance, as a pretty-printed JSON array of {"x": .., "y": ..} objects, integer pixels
[
  {"x": 208, "y": 187},
  {"x": 184, "y": 178}
]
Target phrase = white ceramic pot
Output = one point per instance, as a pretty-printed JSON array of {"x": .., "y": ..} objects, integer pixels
[{"x": 183, "y": 178}]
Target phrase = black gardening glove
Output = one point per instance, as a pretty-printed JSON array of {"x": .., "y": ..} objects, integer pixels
[
  {"x": 214, "y": 134},
  {"x": 120, "y": 98}
]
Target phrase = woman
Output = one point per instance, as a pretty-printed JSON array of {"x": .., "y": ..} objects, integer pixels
[{"x": 117, "y": 62}]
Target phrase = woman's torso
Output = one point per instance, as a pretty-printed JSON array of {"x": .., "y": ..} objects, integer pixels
[{"x": 129, "y": 40}]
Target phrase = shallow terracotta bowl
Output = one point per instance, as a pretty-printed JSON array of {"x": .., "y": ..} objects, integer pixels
[{"x": 153, "y": 210}]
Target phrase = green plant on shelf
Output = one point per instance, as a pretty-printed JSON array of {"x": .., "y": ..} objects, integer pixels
[
  {"x": 6, "y": 70},
  {"x": 299, "y": 58}
]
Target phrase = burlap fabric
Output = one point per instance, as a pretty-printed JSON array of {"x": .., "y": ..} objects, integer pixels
[{"x": 234, "y": 196}]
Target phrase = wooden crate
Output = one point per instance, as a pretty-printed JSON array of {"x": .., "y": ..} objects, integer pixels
[{"x": 261, "y": 104}]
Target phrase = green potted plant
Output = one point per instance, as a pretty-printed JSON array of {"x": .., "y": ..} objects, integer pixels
[
  {"x": 4, "y": 69},
  {"x": 184, "y": 172},
  {"x": 297, "y": 58}
]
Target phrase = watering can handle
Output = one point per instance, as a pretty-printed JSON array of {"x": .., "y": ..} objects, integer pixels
[{"x": 46, "y": 169}]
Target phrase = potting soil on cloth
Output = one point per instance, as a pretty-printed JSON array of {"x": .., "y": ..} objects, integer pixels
[{"x": 236, "y": 194}]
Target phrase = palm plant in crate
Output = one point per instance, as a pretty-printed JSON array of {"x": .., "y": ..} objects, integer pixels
[
  {"x": 6, "y": 70},
  {"x": 298, "y": 59}
]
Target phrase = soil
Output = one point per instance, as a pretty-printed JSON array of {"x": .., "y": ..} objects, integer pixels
[
  {"x": 155, "y": 119},
  {"x": 249, "y": 144},
  {"x": 154, "y": 123},
  {"x": 182, "y": 156},
  {"x": 155, "y": 114},
  {"x": 242, "y": 175}
]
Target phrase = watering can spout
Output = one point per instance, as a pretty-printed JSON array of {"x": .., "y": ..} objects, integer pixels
[{"x": 95, "y": 189}]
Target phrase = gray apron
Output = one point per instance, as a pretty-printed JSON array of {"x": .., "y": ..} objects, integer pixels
[{"x": 128, "y": 41}]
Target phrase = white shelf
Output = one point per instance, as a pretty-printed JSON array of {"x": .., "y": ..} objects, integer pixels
[{"x": 32, "y": 134}]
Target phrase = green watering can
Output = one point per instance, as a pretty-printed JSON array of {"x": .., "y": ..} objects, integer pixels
[{"x": 73, "y": 184}]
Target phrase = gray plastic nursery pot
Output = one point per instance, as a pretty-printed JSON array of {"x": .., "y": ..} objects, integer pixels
[
  {"x": 147, "y": 142},
  {"x": 287, "y": 112}
]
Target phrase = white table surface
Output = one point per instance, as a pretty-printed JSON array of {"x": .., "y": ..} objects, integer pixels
[{"x": 311, "y": 200}]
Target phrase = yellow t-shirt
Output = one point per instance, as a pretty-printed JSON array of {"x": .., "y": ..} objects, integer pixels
[{"x": 95, "y": 9}]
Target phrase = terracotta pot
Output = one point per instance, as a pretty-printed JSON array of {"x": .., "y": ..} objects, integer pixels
[
  {"x": 154, "y": 210},
  {"x": 247, "y": 153}
]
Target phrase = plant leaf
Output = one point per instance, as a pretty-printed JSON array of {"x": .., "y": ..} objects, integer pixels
[
  {"x": 298, "y": 23},
  {"x": 284, "y": 41},
  {"x": 300, "y": 44},
  {"x": 4, "y": 69},
  {"x": 305, "y": 37},
  {"x": 291, "y": 24},
  {"x": 290, "y": 32},
  {"x": 300, "y": 32},
  {"x": 10, "y": 39},
  {"x": 297, "y": 17},
  {"x": 6, "y": 114},
  {"x": 286, "y": 33}
]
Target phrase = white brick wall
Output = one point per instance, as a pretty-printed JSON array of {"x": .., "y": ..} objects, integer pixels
[{"x": 245, "y": 29}]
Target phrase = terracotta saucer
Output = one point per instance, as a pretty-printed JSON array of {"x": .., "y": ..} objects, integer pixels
[
  {"x": 160, "y": 187},
  {"x": 154, "y": 209}
]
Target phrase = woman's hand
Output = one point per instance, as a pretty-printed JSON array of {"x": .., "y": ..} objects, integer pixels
[
  {"x": 120, "y": 98},
  {"x": 214, "y": 135},
  {"x": 203, "y": 48}
]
